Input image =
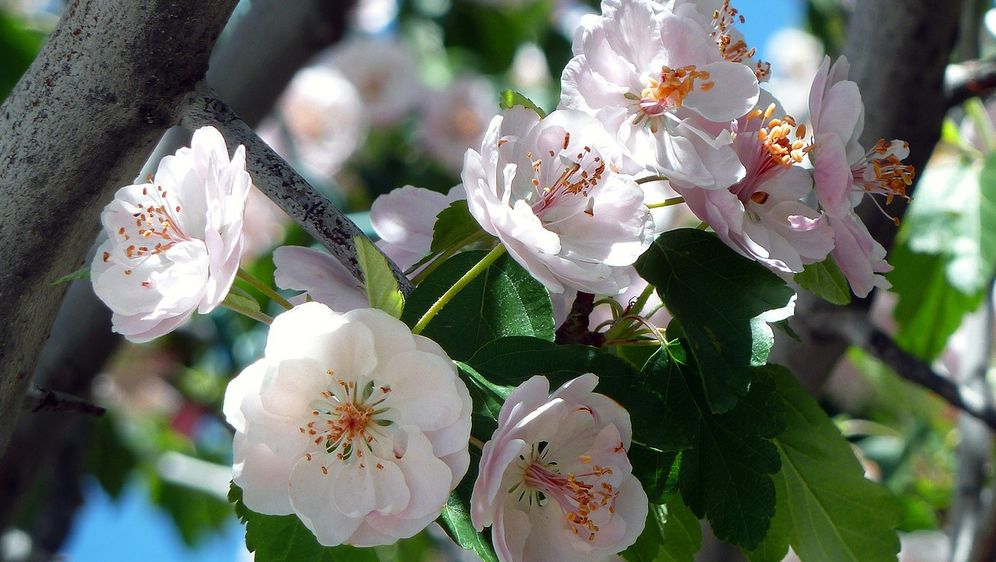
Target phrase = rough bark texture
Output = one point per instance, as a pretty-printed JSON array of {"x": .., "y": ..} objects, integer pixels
[
  {"x": 49, "y": 470},
  {"x": 285, "y": 187},
  {"x": 78, "y": 125},
  {"x": 898, "y": 50}
]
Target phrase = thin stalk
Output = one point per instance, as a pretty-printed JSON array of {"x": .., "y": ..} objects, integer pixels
[
  {"x": 445, "y": 254},
  {"x": 669, "y": 202},
  {"x": 254, "y": 314},
  {"x": 478, "y": 268},
  {"x": 649, "y": 179},
  {"x": 476, "y": 442},
  {"x": 641, "y": 300},
  {"x": 263, "y": 288}
]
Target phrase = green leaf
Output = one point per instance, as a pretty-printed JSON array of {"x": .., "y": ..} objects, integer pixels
[
  {"x": 455, "y": 518},
  {"x": 672, "y": 534},
  {"x": 378, "y": 278},
  {"x": 826, "y": 509},
  {"x": 511, "y": 98},
  {"x": 825, "y": 280},
  {"x": 657, "y": 471},
  {"x": 454, "y": 225},
  {"x": 503, "y": 301},
  {"x": 283, "y": 538},
  {"x": 81, "y": 273},
  {"x": 929, "y": 309},
  {"x": 726, "y": 476},
  {"x": 19, "y": 44},
  {"x": 238, "y": 299},
  {"x": 723, "y": 302},
  {"x": 954, "y": 216}
]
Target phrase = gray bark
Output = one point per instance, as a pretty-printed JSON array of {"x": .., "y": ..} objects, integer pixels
[
  {"x": 898, "y": 50},
  {"x": 77, "y": 126},
  {"x": 285, "y": 187}
]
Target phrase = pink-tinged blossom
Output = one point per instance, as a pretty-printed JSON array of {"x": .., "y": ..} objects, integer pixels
[
  {"x": 844, "y": 172},
  {"x": 555, "y": 482},
  {"x": 456, "y": 118},
  {"x": 318, "y": 122},
  {"x": 384, "y": 74},
  {"x": 350, "y": 423},
  {"x": 762, "y": 216},
  {"x": 552, "y": 191},
  {"x": 403, "y": 219},
  {"x": 174, "y": 243},
  {"x": 657, "y": 81}
]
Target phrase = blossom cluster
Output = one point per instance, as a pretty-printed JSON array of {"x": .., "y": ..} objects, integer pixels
[{"x": 358, "y": 425}]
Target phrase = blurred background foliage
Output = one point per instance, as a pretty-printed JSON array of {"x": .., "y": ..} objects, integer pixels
[{"x": 163, "y": 436}]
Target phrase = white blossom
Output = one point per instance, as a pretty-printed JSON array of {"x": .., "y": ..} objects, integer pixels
[
  {"x": 351, "y": 423},
  {"x": 555, "y": 482},
  {"x": 554, "y": 192},
  {"x": 174, "y": 243}
]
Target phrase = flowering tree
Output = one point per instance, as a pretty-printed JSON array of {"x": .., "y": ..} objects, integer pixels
[{"x": 566, "y": 356}]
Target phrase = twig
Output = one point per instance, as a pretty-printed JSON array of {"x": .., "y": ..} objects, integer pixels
[
  {"x": 278, "y": 180},
  {"x": 969, "y": 79},
  {"x": 853, "y": 327},
  {"x": 39, "y": 399},
  {"x": 575, "y": 327}
]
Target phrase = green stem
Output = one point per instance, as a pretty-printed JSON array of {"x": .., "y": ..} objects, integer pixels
[
  {"x": 476, "y": 442},
  {"x": 702, "y": 225},
  {"x": 671, "y": 201},
  {"x": 445, "y": 254},
  {"x": 471, "y": 274},
  {"x": 254, "y": 314},
  {"x": 641, "y": 300},
  {"x": 649, "y": 179},
  {"x": 263, "y": 288}
]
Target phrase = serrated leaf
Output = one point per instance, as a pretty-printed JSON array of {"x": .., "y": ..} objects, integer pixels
[
  {"x": 378, "y": 279},
  {"x": 929, "y": 309},
  {"x": 827, "y": 510},
  {"x": 503, "y": 301},
  {"x": 453, "y": 225},
  {"x": 81, "y": 273},
  {"x": 825, "y": 280},
  {"x": 672, "y": 534},
  {"x": 510, "y": 98},
  {"x": 723, "y": 302},
  {"x": 726, "y": 476},
  {"x": 283, "y": 538}
]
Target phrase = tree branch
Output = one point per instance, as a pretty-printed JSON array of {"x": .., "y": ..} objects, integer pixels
[
  {"x": 904, "y": 99},
  {"x": 966, "y": 80},
  {"x": 278, "y": 180},
  {"x": 39, "y": 399},
  {"x": 76, "y": 127},
  {"x": 853, "y": 327}
]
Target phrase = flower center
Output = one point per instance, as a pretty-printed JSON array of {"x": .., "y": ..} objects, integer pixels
[
  {"x": 581, "y": 497},
  {"x": 768, "y": 151},
  {"x": 581, "y": 173},
  {"x": 734, "y": 50},
  {"x": 882, "y": 171},
  {"x": 345, "y": 422},
  {"x": 669, "y": 92},
  {"x": 156, "y": 228}
]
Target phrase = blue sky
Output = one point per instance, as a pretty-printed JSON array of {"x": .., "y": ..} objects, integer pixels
[{"x": 131, "y": 529}]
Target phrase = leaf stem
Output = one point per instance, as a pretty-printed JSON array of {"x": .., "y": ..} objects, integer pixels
[
  {"x": 669, "y": 202},
  {"x": 254, "y": 314},
  {"x": 446, "y": 253},
  {"x": 471, "y": 274},
  {"x": 263, "y": 288},
  {"x": 649, "y": 179},
  {"x": 476, "y": 442}
]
